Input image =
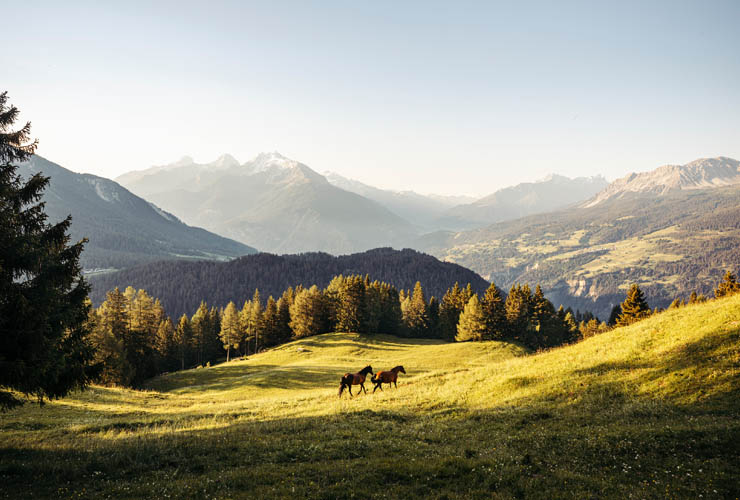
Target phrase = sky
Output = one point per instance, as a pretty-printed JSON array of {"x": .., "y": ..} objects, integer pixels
[{"x": 436, "y": 97}]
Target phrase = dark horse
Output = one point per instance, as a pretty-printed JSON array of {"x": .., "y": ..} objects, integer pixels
[
  {"x": 387, "y": 377},
  {"x": 351, "y": 379}
]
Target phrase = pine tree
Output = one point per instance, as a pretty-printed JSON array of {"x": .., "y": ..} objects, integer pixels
[
  {"x": 271, "y": 323},
  {"x": 184, "y": 341},
  {"x": 416, "y": 315},
  {"x": 307, "y": 313},
  {"x": 230, "y": 329},
  {"x": 728, "y": 286},
  {"x": 433, "y": 311},
  {"x": 200, "y": 324},
  {"x": 616, "y": 312},
  {"x": 634, "y": 307},
  {"x": 494, "y": 313},
  {"x": 255, "y": 325},
  {"x": 110, "y": 354},
  {"x": 45, "y": 351},
  {"x": 166, "y": 345},
  {"x": 472, "y": 324},
  {"x": 517, "y": 307}
]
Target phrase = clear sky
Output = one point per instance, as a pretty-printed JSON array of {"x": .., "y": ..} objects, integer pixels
[{"x": 448, "y": 97}]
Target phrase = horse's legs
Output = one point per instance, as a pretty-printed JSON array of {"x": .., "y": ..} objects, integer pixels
[
  {"x": 362, "y": 385},
  {"x": 395, "y": 384},
  {"x": 349, "y": 386}
]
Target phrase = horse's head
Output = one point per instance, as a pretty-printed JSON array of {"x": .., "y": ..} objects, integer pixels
[
  {"x": 400, "y": 368},
  {"x": 367, "y": 369}
]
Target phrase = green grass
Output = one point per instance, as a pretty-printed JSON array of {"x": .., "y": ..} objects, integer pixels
[{"x": 649, "y": 410}]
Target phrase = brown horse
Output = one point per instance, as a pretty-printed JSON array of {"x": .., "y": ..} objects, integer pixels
[
  {"x": 358, "y": 378},
  {"x": 387, "y": 377}
]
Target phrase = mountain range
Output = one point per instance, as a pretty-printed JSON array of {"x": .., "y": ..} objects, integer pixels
[
  {"x": 274, "y": 203},
  {"x": 123, "y": 229},
  {"x": 673, "y": 231},
  {"x": 283, "y": 206}
]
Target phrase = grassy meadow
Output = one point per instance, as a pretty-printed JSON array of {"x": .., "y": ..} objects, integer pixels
[{"x": 647, "y": 411}]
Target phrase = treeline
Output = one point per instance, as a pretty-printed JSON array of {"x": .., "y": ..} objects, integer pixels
[
  {"x": 135, "y": 339},
  {"x": 181, "y": 285}
]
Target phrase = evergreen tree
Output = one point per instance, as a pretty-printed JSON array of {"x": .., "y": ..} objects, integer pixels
[
  {"x": 350, "y": 304},
  {"x": 373, "y": 307},
  {"x": 45, "y": 351},
  {"x": 230, "y": 333},
  {"x": 255, "y": 325},
  {"x": 452, "y": 305},
  {"x": 200, "y": 324},
  {"x": 166, "y": 346},
  {"x": 416, "y": 316},
  {"x": 283, "y": 305},
  {"x": 110, "y": 354},
  {"x": 472, "y": 324},
  {"x": 634, "y": 307},
  {"x": 433, "y": 311},
  {"x": 517, "y": 307},
  {"x": 494, "y": 313},
  {"x": 307, "y": 313},
  {"x": 184, "y": 341},
  {"x": 391, "y": 318},
  {"x": 271, "y": 324},
  {"x": 728, "y": 286}
]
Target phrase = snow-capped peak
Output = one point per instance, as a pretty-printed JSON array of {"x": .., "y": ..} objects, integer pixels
[
  {"x": 266, "y": 161},
  {"x": 224, "y": 161}
]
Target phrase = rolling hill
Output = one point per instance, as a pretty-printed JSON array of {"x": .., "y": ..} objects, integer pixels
[
  {"x": 123, "y": 229},
  {"x": 671, "y": 241},
  {"x": 182, "y": 285},
  {"x": 277, "y": 204},
  {"x": 646, "y": 411}
]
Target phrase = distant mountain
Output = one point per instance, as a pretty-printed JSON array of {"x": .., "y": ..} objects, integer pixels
[
  {"x": 671, "y": 241},
  {"x": 123, "y": 229},
  {"x": 699, "y": 174},
  {"x": 278, "y": 204},
  {"x": 421, "y": 210},
  {"x": 551, "y": 193},
  {"x": 182, "y": 285}
]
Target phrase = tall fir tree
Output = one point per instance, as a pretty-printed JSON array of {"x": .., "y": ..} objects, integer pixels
[
  {"x": 472, "y": 323},
  {"x": 416, "y": 316},
  {"x": 494, "y": 313},
  {"x": 307, "y": 313},
  {"x": 184, "y": 341},
  {"x": 728, "y": 286},
  {"x": 271, "y": 323},
  {"x": 634, "y": 307},
  {"x": 230, "y": 333},
  {"x": 45, "y": 350}
]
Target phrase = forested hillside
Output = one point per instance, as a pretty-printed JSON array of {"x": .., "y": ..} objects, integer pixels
[
  {"x": 182, "y": 285},
  {"x": 672, "y": 245},
  {"x": 123, "y": 230}
]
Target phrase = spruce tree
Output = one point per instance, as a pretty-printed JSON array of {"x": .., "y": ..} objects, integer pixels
[
  {"x": 307, "y": 313},
  {"x": 728, "y": 286},
  {"x": 230, "y": 333},
  {"x": 417, "y": 316},
  {"x": 517, "y": 307},
  {"x": 184, "y": 341},
  {"x": 472, "y": 324},
  {"x": 255, "y": 325},
  {"x": 45, "y": 351},
  {"x": 634, "y": 307},
  {"x": 271, "y": 323},
  {"x": 494, "y": 313},
  {"x": 166, "y": 346}
]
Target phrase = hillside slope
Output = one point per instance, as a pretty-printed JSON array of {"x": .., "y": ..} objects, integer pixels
[
  {"x": 123, "y": 229},
  {"x": 182, "y": 285},
  {"x": 648, "y": 411},
  {"x": 586, "y": 258}
]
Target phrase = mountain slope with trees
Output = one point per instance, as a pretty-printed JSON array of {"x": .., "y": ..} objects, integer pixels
[
  {"x": 123, "y": 230},
  {"x": 672, "y": 244},
  {"x": 181, "y": 286}
]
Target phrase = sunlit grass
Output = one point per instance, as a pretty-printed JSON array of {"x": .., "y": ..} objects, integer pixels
[{"x": 650, "y": 410}]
